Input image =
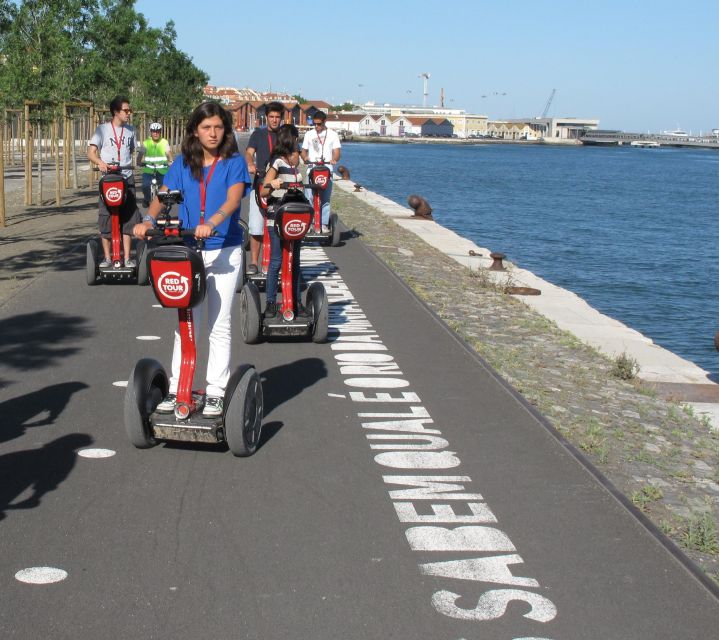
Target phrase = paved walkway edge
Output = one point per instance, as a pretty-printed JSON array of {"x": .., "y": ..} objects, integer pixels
[{"x": 399, "y": 213}]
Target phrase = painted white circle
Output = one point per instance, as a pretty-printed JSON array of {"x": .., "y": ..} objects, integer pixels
[
  {"x": 119, "y": 383},
  {"x": 148, "y": 337},
  {"x": 96, "y": 453},
  {"x": 40, "y": 575}
]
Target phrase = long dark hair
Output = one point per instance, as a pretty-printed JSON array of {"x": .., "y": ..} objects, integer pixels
[
  {"x": 192, "y": 150},
  {"x": 286, "y": 145}
]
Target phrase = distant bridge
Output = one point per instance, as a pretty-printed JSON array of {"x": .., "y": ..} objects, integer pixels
[{"x": 620, "y": 138}]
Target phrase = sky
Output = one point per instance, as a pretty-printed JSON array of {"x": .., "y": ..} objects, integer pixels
[{"x": 635, "y": 65}]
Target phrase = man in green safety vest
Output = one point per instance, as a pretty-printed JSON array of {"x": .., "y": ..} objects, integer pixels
[{"x": 155, "y": 157}]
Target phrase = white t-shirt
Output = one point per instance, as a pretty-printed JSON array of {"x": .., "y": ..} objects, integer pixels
[
  {"x": 106, "y": 138},
  {"x": 320, "y": 147}
]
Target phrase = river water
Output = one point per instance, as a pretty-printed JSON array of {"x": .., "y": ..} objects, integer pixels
[{"x": 635, "y": 232}]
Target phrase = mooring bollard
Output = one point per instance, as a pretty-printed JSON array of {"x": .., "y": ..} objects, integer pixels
[
  {"x": 473, "y": 253},
  {"x": 497, "y": 264},
  {"x": 716, "y": 340},
  {"x": 358, "y": 186},
  {"x": 344, "y": 172},
  {"x": 420, "y": 206}
]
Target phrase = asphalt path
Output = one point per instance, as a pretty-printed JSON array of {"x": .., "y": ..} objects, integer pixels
[{"x": 453, "y": 514}]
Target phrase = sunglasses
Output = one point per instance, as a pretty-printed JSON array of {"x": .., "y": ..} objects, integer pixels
[
  {"x": 126, "y": 110},
  {"x": 319, "y": 124}
]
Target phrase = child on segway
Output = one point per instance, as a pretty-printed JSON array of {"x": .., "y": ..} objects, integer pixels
[
  {"x": 213, "y": 179},
  {"x": 282, "y": 174}
]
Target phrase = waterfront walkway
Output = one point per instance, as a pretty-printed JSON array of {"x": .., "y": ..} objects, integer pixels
[
  {"x": 672, "y": 376},
  {"x": 403, "y": 488}
]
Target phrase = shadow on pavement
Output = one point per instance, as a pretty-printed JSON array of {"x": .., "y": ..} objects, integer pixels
[
  {"x": 286, "y": 381},
  {"x": 40, "y": 470},
  {"x": 269, "y": 431},
  {"x": 72, "y": 206},
  {"x": 44, "y": 405},
  {"x": 35, "y": 340}
]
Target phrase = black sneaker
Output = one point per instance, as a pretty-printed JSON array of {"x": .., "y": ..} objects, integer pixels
[
  {"x": 168, "y": 404},
  {"x": 271, "y": 310},
  {"x": 252, "y": 269},
  {"x": 213, "y": 407},
  {"x": 302, "y": 311}
]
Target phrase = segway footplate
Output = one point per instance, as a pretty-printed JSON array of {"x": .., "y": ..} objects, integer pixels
[{"x": 194, "y": 429}]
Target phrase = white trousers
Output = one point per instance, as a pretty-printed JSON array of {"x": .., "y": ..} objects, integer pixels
[{"x": 222, "y": 267}]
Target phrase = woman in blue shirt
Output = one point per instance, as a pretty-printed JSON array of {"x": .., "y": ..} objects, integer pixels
[{"x": 213, "y": 179}]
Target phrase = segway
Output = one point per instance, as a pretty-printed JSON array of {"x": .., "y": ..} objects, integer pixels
[
  {"x": 319, "y": 177},
  {"x": 260, "y": 278},
  {"x": 292, "y": 222},
  {"x": 177, "y": 274},
  {"x": 113, "y": 191}
]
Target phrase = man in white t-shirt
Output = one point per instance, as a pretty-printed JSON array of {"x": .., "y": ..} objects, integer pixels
[
  {"x": 115, "y": 142},
  {"x": 321, "y": 144}
]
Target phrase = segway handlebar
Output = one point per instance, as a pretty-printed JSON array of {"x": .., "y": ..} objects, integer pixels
[{"x": 173, "y": 232}]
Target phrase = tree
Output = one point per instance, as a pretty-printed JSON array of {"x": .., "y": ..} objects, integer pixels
[{"x": 59, "y": 50}]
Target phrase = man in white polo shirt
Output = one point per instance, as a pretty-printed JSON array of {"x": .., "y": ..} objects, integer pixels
[{"x": 321, "y": 144}]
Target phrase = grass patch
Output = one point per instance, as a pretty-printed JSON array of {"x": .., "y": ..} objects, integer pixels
[
  {"x": 699, "y": 533},
  {"x": 648, "y": 494},
  {"x": 625, "y": 367}
]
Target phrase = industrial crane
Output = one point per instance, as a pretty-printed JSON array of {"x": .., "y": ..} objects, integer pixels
[{"x": 549, "y": 103}]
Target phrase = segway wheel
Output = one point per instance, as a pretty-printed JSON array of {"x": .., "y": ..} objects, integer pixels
[
  {"x": 245, "y": 235},
  {"x": 242, "y": 277},
  {"x": 143, "y": 275},
  {"x": 316, "y": 300},
  {"x": 334, "y": 230},
  {"x": 250, "y": 318},
  {"x": 146, "y": 387},
  {"x": 91, "y": 262},
  {"x": 243, "y": 412}
]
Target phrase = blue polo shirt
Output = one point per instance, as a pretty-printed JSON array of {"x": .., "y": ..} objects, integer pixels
[{"x": 228, "y": 172}]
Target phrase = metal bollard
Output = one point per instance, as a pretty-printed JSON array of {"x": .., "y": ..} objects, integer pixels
[
  {"x": 497, "y": 264},
  {"x": 344, "y": 172},
  {"x": 358, "y": 186},
  {"x": 420, "y": 206},
  {"x": 716, "y": 340}
]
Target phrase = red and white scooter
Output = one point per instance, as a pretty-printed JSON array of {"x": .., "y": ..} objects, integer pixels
[
  {"x": 113, "y": 191},
  {"x": 319, "y": 177},
  {"x": 177, "y": 274},
  {"x": 292, "y": 222}
]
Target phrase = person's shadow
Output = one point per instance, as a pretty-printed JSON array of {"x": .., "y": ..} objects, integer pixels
[
  {"x": 41, "y": 470},
  {"x": 282, "y": 383},
  {"x": 37, "y": 409}
]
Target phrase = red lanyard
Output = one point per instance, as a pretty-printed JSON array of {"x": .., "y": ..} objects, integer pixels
[
  {"x": 322, "y": 148},
  {"x": 117, "y": 142},
  {"x": 269, "y": 141},
  {"x": 203, "y": 189}
]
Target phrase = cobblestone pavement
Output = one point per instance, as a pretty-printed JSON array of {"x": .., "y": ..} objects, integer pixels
[{"x": 655, "y": 452}]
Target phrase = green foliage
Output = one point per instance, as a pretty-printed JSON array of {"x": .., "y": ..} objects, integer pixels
[
  {"x": 648, "y": 494},
  {"x": 91, "y": 50},
  {"x": 300, "y": 99},
  {"x": 625, "y": 367},
  {"x": 345, "y": 106},
  {"x": 699, "y": 533}
]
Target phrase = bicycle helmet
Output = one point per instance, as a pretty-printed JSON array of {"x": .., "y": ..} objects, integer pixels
[{"x": 155, "y": 126}]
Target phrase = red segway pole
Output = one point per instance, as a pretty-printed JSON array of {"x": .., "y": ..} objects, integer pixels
[
  {"x": 112, "y": 188},
  {"x": 179, "y": 281},
  {"x": 292, "y": 222},
  {"x": 319, "y": 178}
]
